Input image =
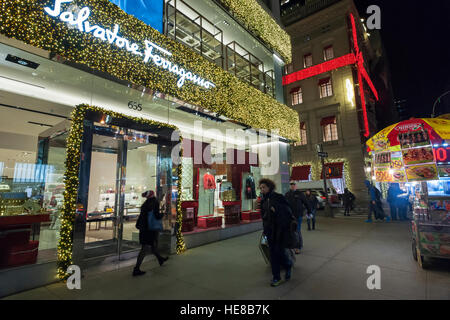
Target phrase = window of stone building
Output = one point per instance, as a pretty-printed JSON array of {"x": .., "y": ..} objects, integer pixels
[
  {"x": 329, "y": 129},
  {"x": 307, "y": 60},
  {"x": 289, "y": 68},
  {"x": 303, "y": 137},
  {"x": 325, "y": 87},
  {"x": 296, "y": 95},
  {"x": 328, "y": 53}
]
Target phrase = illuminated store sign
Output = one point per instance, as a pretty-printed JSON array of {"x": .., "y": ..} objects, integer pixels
[{"x": 149, "y": 54}]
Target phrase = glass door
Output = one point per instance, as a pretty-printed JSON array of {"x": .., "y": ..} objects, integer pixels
[
  {"x": 123, "y": 165},
  {"x": 104, "y": 195}
]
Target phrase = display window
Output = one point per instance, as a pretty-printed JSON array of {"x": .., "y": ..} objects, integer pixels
[{"x": 32, "y": 156}]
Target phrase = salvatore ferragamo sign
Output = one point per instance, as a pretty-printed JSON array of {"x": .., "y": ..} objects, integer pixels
[{"x": 152, "y": 53}]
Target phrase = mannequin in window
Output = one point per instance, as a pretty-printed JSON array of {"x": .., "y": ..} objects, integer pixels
[
  {"x": 250, "y": 191},
  {"x": 209, "y": 181}
]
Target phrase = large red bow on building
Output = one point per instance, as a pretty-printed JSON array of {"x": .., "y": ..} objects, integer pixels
[{"x": 355, "y": 58}]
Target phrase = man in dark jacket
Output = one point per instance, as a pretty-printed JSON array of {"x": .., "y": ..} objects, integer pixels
[
  {"x": 297, "y": 202},
  {"x": 347, "y": 200},
  {"x": 276, "y": 215}
]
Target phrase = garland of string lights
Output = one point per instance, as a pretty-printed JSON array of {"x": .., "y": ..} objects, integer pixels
[
  {"x": 71, "y": 182},
  {"x": 316, "y": 171},
  {"x": 262, "y": 24},
  {"x": 27, "y": 21}
]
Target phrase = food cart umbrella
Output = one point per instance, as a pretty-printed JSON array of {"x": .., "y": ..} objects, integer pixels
[{"x": 438, "y": 129}]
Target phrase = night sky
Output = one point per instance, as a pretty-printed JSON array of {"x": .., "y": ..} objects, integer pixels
[{"x": 416, "y": 36}]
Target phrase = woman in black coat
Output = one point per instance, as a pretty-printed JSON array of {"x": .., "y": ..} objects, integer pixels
[{"x": 148, "y": 237}]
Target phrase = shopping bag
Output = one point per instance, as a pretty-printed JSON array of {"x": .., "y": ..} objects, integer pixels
[{"x": 153, "y": 223}]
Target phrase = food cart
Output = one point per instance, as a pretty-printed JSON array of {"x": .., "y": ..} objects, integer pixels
[{"x": 415, "y": 153}]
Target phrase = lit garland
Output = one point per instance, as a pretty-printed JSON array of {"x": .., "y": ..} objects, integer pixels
[
  {"x": 26, "y": 20},
  {"x": 181, "y": 245},
  {"x": 262, "y": 24},
  {"x": 316, "y": 169},
  {"x": 71, "y": 182}
]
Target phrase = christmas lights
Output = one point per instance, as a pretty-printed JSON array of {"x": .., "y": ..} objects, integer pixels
[
  {"x": 352, "y": 58},
  {"x": 262, "y": 24},
  {"x": 27, "y": 21}
]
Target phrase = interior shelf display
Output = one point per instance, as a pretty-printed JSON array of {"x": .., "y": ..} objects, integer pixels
[{"x": 194, "y": 31}]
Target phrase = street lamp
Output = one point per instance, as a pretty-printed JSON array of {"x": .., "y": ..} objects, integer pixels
[{"x": 434, "y": 105}]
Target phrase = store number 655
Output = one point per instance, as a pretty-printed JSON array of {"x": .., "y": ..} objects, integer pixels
[{"x": 135, "y": 106}]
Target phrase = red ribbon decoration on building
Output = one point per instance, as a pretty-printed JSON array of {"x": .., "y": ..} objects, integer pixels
[{"x": 355, "y": 58}]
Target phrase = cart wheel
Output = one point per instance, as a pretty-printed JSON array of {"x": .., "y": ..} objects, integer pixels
[
  {"x": 421, "y": 260},
  {"x": 414, "y": 250}
]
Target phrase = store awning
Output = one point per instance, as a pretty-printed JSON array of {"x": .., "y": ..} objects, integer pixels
[
  {"x": 336, "y": 170},
  {"x": 300, "y": 173},
  {"x": 327, "y": 121},
  {"x": 294, "y": 90},
  {"x": 324, "y": 81}
]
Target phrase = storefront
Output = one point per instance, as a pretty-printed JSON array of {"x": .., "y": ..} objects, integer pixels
[{"x": 90, "y": 120}]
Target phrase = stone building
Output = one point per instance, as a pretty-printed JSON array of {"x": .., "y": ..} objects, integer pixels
[{"x": 322, "y": 84}]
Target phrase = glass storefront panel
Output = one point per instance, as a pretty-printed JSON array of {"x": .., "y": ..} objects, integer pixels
[{"x": 32, "y": 155}]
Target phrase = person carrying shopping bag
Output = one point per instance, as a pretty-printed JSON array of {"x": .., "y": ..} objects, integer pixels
[
  {"x": 149, "y": 224},
  {"x": 280, "y": 228}
]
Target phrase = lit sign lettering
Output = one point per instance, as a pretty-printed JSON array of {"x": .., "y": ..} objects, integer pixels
[
  {"x": 442, "y": 153},
  {"x": 112, "y": 36}
]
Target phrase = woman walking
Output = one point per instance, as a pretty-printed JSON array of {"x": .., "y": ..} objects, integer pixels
[
  {"x": 149, "y": 225},
  {"x": 311, "y": 217},
  {"x": 276, "y": 215}
]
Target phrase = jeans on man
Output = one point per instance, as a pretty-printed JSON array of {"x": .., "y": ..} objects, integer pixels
[
  {"x": 312, "y": 219},
  {"x": 372, "y": 208},
  {"x": 299, "y": 230},
  {"x": 278, "y": 258},
  {"x": 395, "y": 211}
]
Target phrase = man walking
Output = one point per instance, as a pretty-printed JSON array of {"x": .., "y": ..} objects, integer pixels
[
  {"x": 297, "y": 202},
  {"x": 276, "y": 223}
]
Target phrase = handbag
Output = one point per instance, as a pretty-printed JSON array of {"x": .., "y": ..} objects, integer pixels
[{"x": 154, "y": 224}]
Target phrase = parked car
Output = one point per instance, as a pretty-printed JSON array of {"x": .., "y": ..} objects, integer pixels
[{"x": 317, "y": 188}]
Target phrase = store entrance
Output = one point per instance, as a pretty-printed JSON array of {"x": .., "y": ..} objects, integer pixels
[{"x": 123, "y": 165}]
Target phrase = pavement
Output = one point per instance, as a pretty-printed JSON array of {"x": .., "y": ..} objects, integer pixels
[{"x": 332, "y": 265}]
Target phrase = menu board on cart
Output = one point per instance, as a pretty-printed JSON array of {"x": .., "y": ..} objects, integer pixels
[{"x": 389, "y": 167}]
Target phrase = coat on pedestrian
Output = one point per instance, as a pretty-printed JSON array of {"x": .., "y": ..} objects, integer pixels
[
  {"x": 347, "y": 198},
  {"x": 276, "y": 224},
  {"x": 147, "y": 236},
  {"x": 312, "y": 201},
  {"x": 393, "y": 194},
  {"x": 297, "y": 202}
]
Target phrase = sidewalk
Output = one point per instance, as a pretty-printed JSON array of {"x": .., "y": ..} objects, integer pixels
[{"x": 332, "y": 266}]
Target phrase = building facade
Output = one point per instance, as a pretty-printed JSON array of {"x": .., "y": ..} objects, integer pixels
[
  {"x": 103, "y": 100},
  {"x": 332, "y": 56}
]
